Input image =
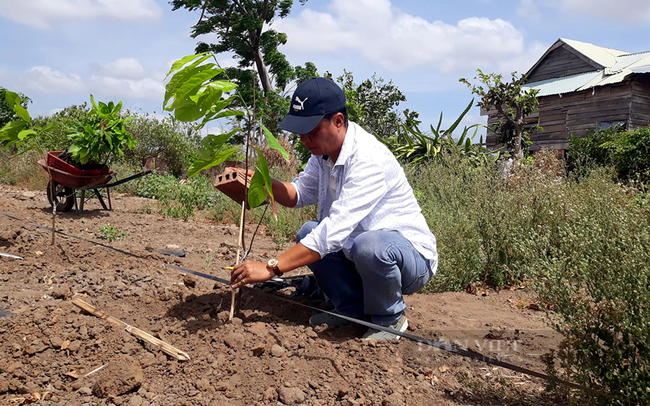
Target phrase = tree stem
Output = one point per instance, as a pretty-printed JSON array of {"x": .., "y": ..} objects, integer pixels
[{"x": 240, "y": 245}]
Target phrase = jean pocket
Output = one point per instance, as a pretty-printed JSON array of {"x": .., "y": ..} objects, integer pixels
[{"x": 418, "y": 283}]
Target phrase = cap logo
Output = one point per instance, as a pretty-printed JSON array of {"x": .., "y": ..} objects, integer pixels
[{"x": 301, "y": 106}]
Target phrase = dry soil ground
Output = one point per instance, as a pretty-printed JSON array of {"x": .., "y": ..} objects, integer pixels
[{"x": 267, "y": 356}]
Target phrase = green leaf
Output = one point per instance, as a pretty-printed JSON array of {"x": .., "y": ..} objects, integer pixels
[
  {"x": 214, "y": 110},
  {"x": 273, "y": 142},
  {"x": 178, "y": 87},
  {"x": 223, "y": 85},
  {"x": 177, "y": 65},
  {"x": 203, "y": 93},
  {"x": 210, "y": 153},
  {"x": 187, "y": 111},
  {"x": 263, "y": 170},
  {"x": 193, "y": 84},
  {"x": 256, "y": 192},
  {"x": 25, "y": 133},
  {"x": 11, "y": 130},
  {"x": 211, "y": 144},
  {"x": 459, "y": 119},
  {"x": 12, "y": 98},
  {"x": 227, "y": 113},
  {"x": 198, "y": 165},
  {"x": 22, "y": 113}
]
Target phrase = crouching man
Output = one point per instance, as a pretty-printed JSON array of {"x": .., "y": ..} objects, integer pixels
[{"x": 371, "y": 244}]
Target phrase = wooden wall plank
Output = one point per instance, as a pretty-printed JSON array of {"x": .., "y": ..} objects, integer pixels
[{"x": 559, "y": 63}]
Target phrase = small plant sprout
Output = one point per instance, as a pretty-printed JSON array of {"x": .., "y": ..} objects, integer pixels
[
  {"x": 209, "y": 259},
  {"x": 110, "y": 233}
]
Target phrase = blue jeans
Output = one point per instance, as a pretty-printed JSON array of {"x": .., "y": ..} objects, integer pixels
[{"x": 384, "y": 267}]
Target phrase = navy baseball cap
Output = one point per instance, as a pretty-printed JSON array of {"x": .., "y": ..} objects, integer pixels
[{"x": 312, "y": 100}]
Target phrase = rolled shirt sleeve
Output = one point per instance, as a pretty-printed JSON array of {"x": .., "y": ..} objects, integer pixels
[{"x": 306, "y": 184}]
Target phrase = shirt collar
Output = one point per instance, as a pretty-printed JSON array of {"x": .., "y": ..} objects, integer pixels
[{"x": 348, "y": 144}]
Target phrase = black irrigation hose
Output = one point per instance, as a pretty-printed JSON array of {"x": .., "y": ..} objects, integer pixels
[{"x": 432, "y": 343}]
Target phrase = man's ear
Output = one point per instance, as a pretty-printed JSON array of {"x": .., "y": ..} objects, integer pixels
[{"x": 339, "y": 120}]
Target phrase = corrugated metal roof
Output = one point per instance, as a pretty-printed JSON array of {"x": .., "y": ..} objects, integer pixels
[
  {"x": 617, "y": 65},
  {"x": 641, "y": 69},
  {"x": 601, "y": 55},
  {"x": 562, "y": 85}
]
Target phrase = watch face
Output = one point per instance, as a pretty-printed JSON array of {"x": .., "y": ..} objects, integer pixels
[{"x": 272, "y": 263}]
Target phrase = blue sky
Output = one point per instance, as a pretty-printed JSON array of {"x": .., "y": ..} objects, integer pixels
[{"x": 58, "y": 52}]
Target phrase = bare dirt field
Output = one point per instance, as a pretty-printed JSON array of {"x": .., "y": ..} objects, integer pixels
[{"x": 267, "y": 356}]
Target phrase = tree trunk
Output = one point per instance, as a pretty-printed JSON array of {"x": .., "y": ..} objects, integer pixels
[
  {"x": 517, "y": 150},
  {"x": 263, "y": 73}
]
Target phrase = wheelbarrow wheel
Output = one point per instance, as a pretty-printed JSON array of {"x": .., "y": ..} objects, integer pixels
[{"x": 62, "y": 196}]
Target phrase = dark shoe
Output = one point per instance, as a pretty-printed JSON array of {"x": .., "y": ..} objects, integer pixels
[
  {"x": 329, "y": 319},
  {"x": 400, "y": 325}
]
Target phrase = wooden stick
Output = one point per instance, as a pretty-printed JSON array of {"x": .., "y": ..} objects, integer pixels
[
  {"x": 93, "y": 371},
  {"x": 240, "y": 244},
  {"x": 54, "y": 219},
  {"x": 163, "y": 346}
]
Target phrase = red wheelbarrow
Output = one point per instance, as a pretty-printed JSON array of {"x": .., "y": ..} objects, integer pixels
[{"x": 66, "y": 180}]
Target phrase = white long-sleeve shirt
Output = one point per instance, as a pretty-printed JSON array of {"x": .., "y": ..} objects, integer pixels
[{"x": 365, "y": 189}]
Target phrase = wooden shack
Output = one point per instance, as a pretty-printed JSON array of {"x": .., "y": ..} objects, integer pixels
[{"x": 581, "y": 87}]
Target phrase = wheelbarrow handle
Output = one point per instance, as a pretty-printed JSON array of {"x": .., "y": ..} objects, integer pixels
[{"x": 130, "y": 178}]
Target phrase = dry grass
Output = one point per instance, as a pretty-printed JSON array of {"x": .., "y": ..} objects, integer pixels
[{"x": 22, "y": 170}]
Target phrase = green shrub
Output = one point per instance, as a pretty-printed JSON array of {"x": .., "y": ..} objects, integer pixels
[
  {"x": 168, "y": 140},
  {"x": 489, "y": 227},
  {"x": 632, "y": 155},
  {"x": 595, "y": 276},
  {"x": 447, "y": 191},
  {"x": 179, "y": 198},
  {"x": 198, "y": 191},
  {"x": 183, "y": 208},
  {"x": 584, "y": 246},
  {"x": 628, "y": 152}
]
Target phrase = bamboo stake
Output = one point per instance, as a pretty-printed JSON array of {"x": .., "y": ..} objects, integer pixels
[
  {"x": 240, "y": 244},
  {"x": 54, "y": 223},
  {"x": 163, "y": 346}
]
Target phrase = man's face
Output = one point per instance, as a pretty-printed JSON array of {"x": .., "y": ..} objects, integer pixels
[{"x": 326, "y": 138}]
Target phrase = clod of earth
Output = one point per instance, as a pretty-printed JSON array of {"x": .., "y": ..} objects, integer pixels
[
  {"x": 277, "y": 351},
  {"x": 62, "y": 292},
  {"x": 291, "y": 396},
  {"x": 234, "y": 341},
  {"x": 121, "y": 375}
]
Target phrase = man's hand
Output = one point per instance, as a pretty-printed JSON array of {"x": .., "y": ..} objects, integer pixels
[{"x": 249, "y": 272}]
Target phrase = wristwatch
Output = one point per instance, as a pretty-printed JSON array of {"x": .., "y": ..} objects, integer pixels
[{"x": 272, "y": 264}]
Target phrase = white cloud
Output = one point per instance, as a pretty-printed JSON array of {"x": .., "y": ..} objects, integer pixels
[
  {"x": 528, "y": 9},
  {"x": 43, "y": 14},
  {"x": 43, "y": 79},
  {"x": 124, "y": 68},
  {"x": 522, "y": 62},
  {"x": 621, "y": 10},
  {"x": 124, "y": 88},
  {"x": 397, "y": 41}
]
